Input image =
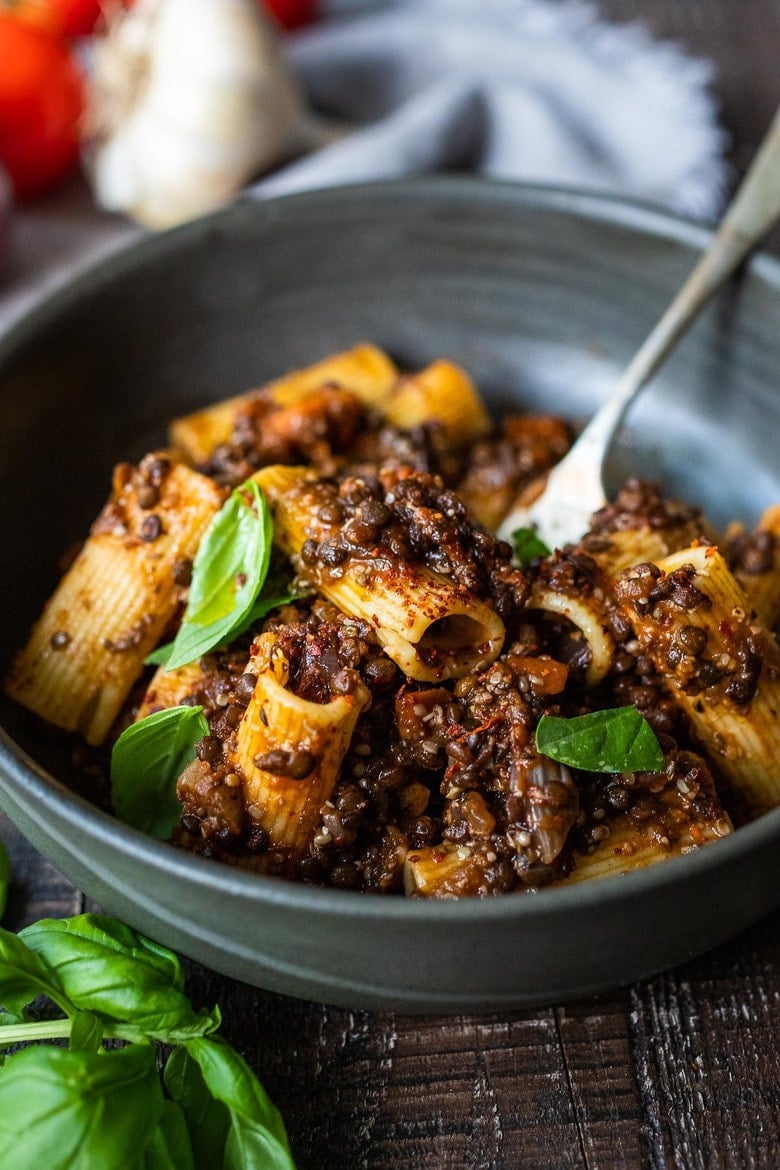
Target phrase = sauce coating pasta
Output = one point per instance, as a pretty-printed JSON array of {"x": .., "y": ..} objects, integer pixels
[{"x": 375, "y": 725}]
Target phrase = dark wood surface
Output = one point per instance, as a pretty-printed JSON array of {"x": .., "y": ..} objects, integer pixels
[{"x": 680, "y": 1072}]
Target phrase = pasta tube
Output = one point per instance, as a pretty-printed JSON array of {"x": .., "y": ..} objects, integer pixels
[
  {"x": 447, "y": 871},
  {"x": 587, "y": 613},
  {"x": 695, "y": 622},
  {"x": 169, "y": 688},
  {"x": 365, "y": 371},
  {"x": 623, "y": 851},
  {"x": 289, "y": 751},
  {"x": 688, "y": 815},
  {"x": 114, "y": 603},
  {"x": 442, "y": 392},
  {"x": 762, "y": 587},
  {"x": 619, "y": 550},
  {"x": 430, "y": 627}
]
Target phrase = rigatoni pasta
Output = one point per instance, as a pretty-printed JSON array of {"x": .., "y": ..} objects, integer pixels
[
  {"x": 390, "y": 699},
  {"x": 431, "y": 627},
  {"x": 289, "y": 750},
  {"x": 756, "y": 564},
  {"x": 117, "y": 598},
  {"x": 364, "y": 371},
  {"x": 442, "y": 391},
  {"x": 720, "y": 662}
]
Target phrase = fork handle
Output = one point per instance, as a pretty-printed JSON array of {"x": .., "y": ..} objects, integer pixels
[{"x": 752, "y": 212}]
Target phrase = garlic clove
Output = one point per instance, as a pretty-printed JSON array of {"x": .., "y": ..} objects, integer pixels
[{"x": 190, "y": 99}]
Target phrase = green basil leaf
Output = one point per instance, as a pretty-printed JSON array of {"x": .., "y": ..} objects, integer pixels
[
  {"x": 527, "y": 546},
  {"x": 160, "y": 656},
  {"x": 261, "y": 608},
  {"x": 257, "y": 1139},
  {"x": 170, "y": 1147},
  {"x": 228, "y": 573},
  {"x": 5, "y": 877},
  {"x": 106, "y": 968},
  {"x": 78, "y": 1110},
  {"x": 208, "y": 1120},
  {"x": 86, "y": 1033},
  {"x": 24, "y": 975},
  {"x": 146, "y": 762},
  {"x": 615, "y": 740}
]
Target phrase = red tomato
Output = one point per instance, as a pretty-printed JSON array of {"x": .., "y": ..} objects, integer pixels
[
  {"x": 41, "y": 104},
  {"x": 67, "y": 18},
  {"x": 289, "y": 13},
  {"x": 292, "y": 13}
]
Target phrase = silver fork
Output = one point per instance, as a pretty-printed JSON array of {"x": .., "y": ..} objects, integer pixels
[{"x": 574, "y": 488}]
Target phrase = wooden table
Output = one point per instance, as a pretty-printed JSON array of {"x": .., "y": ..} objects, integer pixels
[{"x": 680, "y": 1072}]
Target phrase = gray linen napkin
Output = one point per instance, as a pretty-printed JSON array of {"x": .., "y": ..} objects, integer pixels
[{"x": 540, "y": 90}]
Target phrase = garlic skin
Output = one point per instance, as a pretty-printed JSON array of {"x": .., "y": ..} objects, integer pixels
[{"x": 189, "y": 100}]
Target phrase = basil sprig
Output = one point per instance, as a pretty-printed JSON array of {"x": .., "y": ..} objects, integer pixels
[
  {"x": 84, "y": 1106},
  {"x": 146, "y": 761},
  {"x": 527, "y": 546},
  {"x": 616, "y": 740},
  {"x": 228, "y": 572}
]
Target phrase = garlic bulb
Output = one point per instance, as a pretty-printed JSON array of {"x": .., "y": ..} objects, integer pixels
[{"x": 190, "y": 99}]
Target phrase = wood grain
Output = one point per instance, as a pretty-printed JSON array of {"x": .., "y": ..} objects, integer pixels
[{"x": 680, "y": 1072}]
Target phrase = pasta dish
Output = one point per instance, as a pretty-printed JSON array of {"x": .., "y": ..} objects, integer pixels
[{"x": 292, "y": 643}]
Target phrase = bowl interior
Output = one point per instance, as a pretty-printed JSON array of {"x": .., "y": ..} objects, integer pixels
[{"x": 542, "y": 295}]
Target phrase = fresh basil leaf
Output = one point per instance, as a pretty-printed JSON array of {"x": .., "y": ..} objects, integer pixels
[
  {"x": 146, "y": 761},
  {"x": 257, "y": 1139},
  {"x": 10, "y": 1019},
  {"x": 160, "y": 656},
  {"x": 261, "y": 608},
  {"x": 106, "y": 968},
  {"x": 615, "y": 740},
  {"x": 5, "y": 877},
  {"x": 208, "y": 1120},
  {"x": 86, "y": 1033},
  {"x": 24, "y": 975},
  {"x": 527, "y": 546},
  {"x": 170, "y": 1147},
  {"x": 153, "y": 952},
  {"x": 78, "y": 1110},
  {"x": 228, "y": 573},
  {"x": 113, "y": 935}
]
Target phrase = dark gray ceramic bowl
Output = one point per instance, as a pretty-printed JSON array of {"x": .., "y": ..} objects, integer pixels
[{"x": 543, "y": 295}]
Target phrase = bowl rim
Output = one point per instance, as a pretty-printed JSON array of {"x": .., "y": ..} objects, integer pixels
[
  {"x": 597, "y": 206},
  {"x": 23, "y": 779}
]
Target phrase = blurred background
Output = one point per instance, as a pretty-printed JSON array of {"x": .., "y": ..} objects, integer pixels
[{"x": 123, "y": 116}]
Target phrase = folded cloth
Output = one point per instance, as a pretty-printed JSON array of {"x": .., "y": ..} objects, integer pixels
[
  {"x": 536, "y": 90},
  {"x": 541, "y": 90}
]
